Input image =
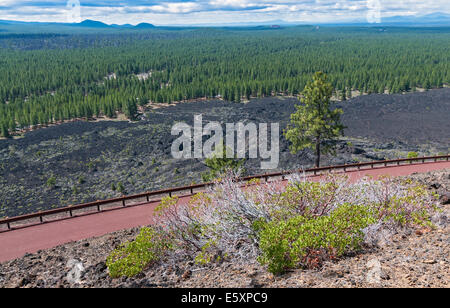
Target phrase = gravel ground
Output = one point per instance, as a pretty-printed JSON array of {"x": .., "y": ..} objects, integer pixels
[{"x": 412, "y": 258}]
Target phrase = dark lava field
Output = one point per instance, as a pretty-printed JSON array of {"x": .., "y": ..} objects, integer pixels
[{"x": 90, "y": 160}]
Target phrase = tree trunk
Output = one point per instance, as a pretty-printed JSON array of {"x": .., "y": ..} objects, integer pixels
[{"x": 317, "y": 152}]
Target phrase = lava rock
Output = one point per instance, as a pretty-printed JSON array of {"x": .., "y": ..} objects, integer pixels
[{"x": 445, "y": 198}]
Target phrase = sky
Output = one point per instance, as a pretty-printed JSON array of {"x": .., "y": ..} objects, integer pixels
[{"x": 207, "y": 12}]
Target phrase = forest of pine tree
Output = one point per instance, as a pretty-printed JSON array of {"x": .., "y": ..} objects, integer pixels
[{"x": 47, "y": 78}]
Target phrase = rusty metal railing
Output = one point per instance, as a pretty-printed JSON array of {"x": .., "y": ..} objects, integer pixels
[{"x": 124, "y": 201}]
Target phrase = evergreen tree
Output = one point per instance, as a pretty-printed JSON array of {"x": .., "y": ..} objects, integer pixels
[
  {"x": 220, "y": 164},
  {"x": 4, "y": 130},
  {"x": 315, "y": 124}
]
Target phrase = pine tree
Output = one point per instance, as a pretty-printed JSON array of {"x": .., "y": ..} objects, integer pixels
[
  {"x": 315, "y": 125},
  {"x": 4, "y": 130},
  {"x": 220, "y": 164}
]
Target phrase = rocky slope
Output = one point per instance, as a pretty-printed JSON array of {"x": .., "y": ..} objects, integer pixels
[{"x": 411, "y": 258}]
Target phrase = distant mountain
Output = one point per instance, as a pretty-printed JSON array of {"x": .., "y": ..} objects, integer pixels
[
  {"x": 245, "y": 24},
  {"x": 13, "y": 22},
  {"x": 126, "y": 26},
  {"x": 435, "y": 19},
  {"x": 144, "y": 26},
  {"x": 97, "y": 24},
  {"x": 92, "y": 24},
  {"x": 86, "y": 25}
]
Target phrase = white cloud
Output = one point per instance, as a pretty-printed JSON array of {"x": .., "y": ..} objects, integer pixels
[
  {"x": 7, "y": 2},
  {"x": 215, "y": 11},
  {"x": 176, "y": 8}
]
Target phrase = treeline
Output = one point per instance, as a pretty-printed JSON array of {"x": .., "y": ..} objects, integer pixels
[{"x": 44, "y": 85}]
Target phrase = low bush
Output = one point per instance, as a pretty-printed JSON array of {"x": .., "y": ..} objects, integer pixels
[
  {"x": 51, "y": 182},
  {"x": 402, "y": 204},
  {"x": 284, "y": 227},
  {"x": 309, "y": 198},
  {"x": 132, "y": 258},
  {"x": 220, "y": 164},
  {"x": 120, "y": 188},
  {"x": 307, "y": 241},
  {"x": 413, "y": 155}
]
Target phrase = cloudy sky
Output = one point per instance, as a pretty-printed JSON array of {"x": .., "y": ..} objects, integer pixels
[{"x": 173, "y": 12}]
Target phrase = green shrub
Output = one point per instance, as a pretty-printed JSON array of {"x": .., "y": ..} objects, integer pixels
[
  {"x": 120, "y": 187},
  {"x": 291, "y": 243},
  {"x": 51, "y": 182},
  {"x": 205, "y": 256},
  {"x": 413, "y": 208},
  {"x": 74, "y": 190},
  {"x": 305, "y": 199},
  {"x": 90, "y": 166},
  {"x": 220, "y": 164},
  {"x": 132, "y": 258},
  {"x": 413, "y": 155}
]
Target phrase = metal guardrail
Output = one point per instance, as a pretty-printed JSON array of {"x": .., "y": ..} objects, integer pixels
[{"x": 192, "y": 188}]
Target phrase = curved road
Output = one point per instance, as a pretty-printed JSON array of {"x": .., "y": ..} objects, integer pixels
[{"x": 16, "y": 243}]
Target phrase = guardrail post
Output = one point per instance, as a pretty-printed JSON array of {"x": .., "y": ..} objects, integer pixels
[
  {"x": 98, "y": 208},
  {"x": 192, "y": 191},
  {"x": 8, "y": 225},
  {"x": 70, "y": 213},
  {"x": 123, "y": 203},
  {"x": 148, "y": 198},
  {"x": 41, "y": 219}
]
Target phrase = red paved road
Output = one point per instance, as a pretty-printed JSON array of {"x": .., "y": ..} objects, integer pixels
[{"x": 15, "y": 244}]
